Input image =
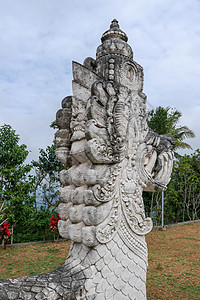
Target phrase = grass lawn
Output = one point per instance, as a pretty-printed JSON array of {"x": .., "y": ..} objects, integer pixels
[
  {"x": 21, "y": 261},
  {"x": 174, "y": 262}
]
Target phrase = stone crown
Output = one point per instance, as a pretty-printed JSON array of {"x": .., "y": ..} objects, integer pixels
[
  {"x": 114, "y": 41},
  {"x": 114, "y": 32}
]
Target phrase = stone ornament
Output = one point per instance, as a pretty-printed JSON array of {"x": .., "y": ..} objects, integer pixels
[{"x": 112, "y": 157}]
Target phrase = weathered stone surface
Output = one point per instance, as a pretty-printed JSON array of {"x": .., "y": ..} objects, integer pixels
[
  {"x": 89, "y": 198},
  {"x": 63, "y": 155},
  {"x": 63, "y": 210},
  {"x": 113, "y": 156},
  {"x": 12, "y": 295},
  {"x": 75, "y": 213},
  {"x": 95, "y": 215},
  {"x": 36, "y": 289},
  {"x": 40, "y": 296},
  {"x": 62, "y": 138},
  {"x": 89, "y": 236},
  {"x": 75, "y": 233},
  {"x": 65, "y": 192},
  {"x": 63, "y": 227},
  {"x": 77, "y": 195}
]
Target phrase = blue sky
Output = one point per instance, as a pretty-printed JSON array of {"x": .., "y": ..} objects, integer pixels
[{"x": 39, "y": 40}]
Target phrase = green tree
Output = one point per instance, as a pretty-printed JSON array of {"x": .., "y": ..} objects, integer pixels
[
  {"x": 15, "y": 184},
  {"x": 165, "y": 121},
  {"x": 47, "y": 170},
  {"x": 182, "y": 197},
  {"x": 46, "y": 186},
  {"x": 41, "y": 222}
]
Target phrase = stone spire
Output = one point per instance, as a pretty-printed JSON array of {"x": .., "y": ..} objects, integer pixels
[
  {"x": 114, "y": 41},
  {"x": 114, "y": 32}
]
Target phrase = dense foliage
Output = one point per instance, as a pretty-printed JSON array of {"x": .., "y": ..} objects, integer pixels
[
  {"x": 182, "y": 197},
  {"x": 15, "y": 180},
  {"x": 26, "y": 200},
  {"x": 46, "y": 178}
]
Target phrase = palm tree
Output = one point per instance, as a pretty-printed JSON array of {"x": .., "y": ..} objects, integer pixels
[{"x": 165, "y": 121}]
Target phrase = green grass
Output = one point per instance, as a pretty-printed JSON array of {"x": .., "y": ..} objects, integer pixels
[
  {"x": 33, "y": 259},
  {"x": 174, "y": 263}
]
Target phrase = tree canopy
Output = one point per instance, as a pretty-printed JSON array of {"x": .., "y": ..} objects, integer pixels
[
  {"x": 21, "y": 190},
  {"x": 47, "y": 170},
  {"x": 15, "y": 186},
  {"x": 165, "y": 121}
]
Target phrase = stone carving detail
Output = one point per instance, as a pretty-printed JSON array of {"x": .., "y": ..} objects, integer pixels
[{"x": 113, "y": 156}]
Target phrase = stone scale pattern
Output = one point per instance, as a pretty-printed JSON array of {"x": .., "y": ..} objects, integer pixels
[{"x": 113, "y": 156}]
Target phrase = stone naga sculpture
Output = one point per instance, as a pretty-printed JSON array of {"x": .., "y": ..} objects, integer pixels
[{"x": 113, "y": 156}]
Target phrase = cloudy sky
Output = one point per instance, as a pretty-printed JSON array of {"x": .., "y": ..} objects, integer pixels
[{"x": 40, "y": 38}]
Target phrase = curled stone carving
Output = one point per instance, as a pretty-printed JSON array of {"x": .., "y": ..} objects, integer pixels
[{"x": 113, "y": 156}]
